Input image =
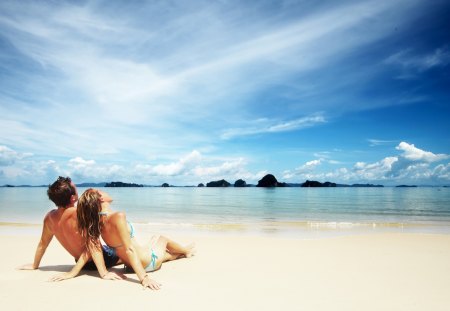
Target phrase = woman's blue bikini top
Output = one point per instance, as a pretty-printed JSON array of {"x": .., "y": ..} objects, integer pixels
[{"x": 132, "y": 233}]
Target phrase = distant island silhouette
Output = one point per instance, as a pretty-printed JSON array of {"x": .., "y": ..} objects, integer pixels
[
  {"x": 122, "y": 184},
  {"x": 268, "y": 181}
]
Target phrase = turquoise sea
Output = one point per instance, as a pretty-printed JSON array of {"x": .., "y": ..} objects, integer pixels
[{"x": 298, "y": 212}]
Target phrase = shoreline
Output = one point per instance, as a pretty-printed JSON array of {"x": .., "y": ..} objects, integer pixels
[
  {"x": 382, "y": 271},
  {"x": 276, "y": 229}
]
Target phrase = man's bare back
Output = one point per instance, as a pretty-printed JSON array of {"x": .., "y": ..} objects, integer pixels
[{"x": 62, "y": 223}]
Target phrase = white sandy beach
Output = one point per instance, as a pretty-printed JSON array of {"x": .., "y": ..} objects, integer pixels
[{"x": 399, "y": 271}]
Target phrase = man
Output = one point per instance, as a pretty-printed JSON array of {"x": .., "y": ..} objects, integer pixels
[{"x": 62, "y": 223}]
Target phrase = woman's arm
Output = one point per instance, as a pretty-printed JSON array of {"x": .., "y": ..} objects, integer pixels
[
  {"x": 96, "y": 253},
  {"x": 97, "y": 257},
  {"x": 131, "y": 254}
]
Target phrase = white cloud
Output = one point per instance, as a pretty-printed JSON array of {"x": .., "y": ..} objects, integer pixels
[
  {"x": 303, "y": 171},
  {"x": 29, "y": 171},
  {"x": 9, "y": 156},
  {"x": 80, "y": 163},
  {"x": 194, "y": 168},
  {"x": 228, "y": 168},
  {"x": 442, "y": 171},
  {"x": 178, "y": 168},
  {"x": 310, "y": 170},
  {"x": 374, "y": 171},
  {"x": 312, "y": 164},
  {"x": 308, "y": 166},
  {"x": 410, "y": 152},
  {"x": 88, "y": 170},
  {"x": 413, "y": 165}
]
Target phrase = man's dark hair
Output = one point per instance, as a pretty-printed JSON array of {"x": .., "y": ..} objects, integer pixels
[{"x": 61, "y": 191}]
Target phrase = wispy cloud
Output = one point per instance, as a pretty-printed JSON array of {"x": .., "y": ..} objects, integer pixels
[
  {"x": 407, "y": 59},
  {"x": 378, "y": 142},
  {"x": 99, "y": 56},
  {"x": 263, "y": 126}
]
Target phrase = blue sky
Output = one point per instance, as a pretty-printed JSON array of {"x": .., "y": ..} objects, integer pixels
[{"x": 192, "y": 91}]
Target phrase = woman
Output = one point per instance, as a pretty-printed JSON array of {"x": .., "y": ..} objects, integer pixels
[{"x": 96, "y": 219}]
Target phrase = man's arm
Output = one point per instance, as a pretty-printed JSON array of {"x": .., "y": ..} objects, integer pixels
[
  {"x": 46, "y": 238},
  {"x": 99, "y": 261},
  {"x": 84, "y": 258}
]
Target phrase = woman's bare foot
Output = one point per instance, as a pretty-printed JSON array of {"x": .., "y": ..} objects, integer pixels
[{"x": 190, "y": 250}]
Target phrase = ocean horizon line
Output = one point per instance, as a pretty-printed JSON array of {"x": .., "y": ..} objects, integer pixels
[{"x": 288, "y": 185}]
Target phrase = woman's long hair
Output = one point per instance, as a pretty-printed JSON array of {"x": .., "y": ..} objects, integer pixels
[{"x": 89, "y": 205}]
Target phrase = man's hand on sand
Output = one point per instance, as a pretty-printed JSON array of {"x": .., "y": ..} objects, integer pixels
[
  {"x": 26, "y": 267},
  {"x": 114, "y": 276},
  {"x": 69, "y": 275}
]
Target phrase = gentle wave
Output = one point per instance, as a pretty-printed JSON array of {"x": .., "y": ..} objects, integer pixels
[
  {"x": 291, "y": 229},
  {"x": 293, "y": 225}
]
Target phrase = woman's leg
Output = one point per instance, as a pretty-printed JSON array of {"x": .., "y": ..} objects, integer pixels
[
  {"x": 173, "y": 250},
  {"x": 168, "y": 256},
  {"x": 176, "y": 249},
  {"x": 167, "y": 250}
]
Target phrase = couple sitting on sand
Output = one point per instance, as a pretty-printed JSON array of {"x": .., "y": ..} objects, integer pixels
[{"x": 78, "y": 229}]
